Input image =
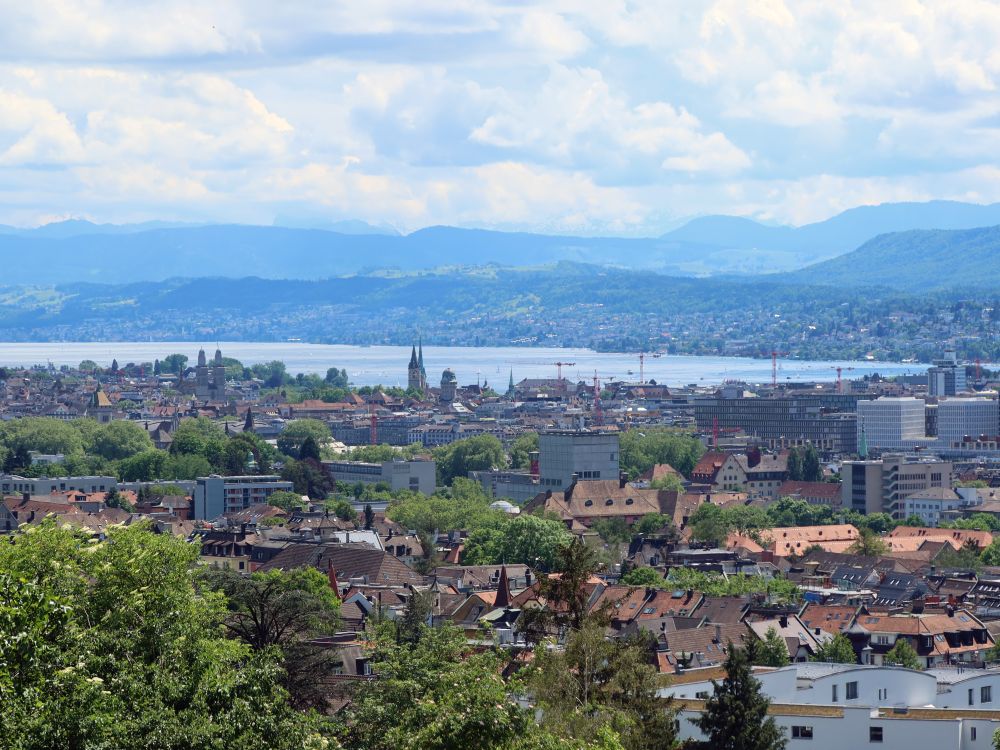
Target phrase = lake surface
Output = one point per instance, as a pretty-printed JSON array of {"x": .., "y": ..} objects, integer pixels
[{"x": 386, "y": 365}]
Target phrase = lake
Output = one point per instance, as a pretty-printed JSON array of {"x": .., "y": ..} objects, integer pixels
[{"x": 386, "y": 365}]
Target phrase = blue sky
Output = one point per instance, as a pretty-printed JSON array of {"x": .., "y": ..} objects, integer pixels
[{"x": 590, "y": 116}]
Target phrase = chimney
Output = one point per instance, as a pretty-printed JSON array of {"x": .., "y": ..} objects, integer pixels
[
  {"x": 783, "y": 621},
  {"x": 622, "y": 479},
  {"x": 753, "y": 457},
  {"x": 718, "y": 633},
  {"x": 25, "y": 496}
]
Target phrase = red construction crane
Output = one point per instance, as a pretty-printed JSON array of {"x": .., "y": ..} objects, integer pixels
[
  {"x": 840, "y": 382},
  {"x": 557, "y": 365},
  {"x": 774, "y": 366},
  {"x": 598, "y": 413},
  {"x": 979, "y": 369}
]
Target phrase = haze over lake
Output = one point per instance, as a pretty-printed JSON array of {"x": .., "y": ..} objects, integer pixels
[{"x": 386, "y": 365}]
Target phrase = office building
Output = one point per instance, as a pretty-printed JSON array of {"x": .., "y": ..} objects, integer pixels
[
  {"x": 947, "y": 376},
  {"x": 418, "y": 476},
  {"x": 827, "y": 421},
  {"x": 892, "y": 423},
  {"x": 881, "y": 486},
  {"x": 565, "y": 454},
  {"x": 215, "y": 496},
  {"x": 960, "y": 418},
  {"x": 11, "y": 484}
]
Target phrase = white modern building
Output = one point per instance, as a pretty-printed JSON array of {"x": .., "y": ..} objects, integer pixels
[
  {"x": 418, "y": 476},
  {"x": 960, "y": 418},
  {"x": 215, "y": 496},
  {"x": 835, "y": 706},
  {"x": 564, "y": 454},
  {"x": 11, "y": 484},
  {"x": 892, "y": 423}
]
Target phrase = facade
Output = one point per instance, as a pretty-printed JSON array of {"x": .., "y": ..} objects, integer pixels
[
  {"x": 755, "y": 473},
  {"x": 215, "y": 496},
  {"x": 960, "y": 418},
  {"x": 11, "y": 484},
  {"x": 947, "y": 376},
  {"x": 827, "y": 421},
  {"x": 418, "y": 476},
  {"x": 892, "y": 423},
  {"x": 881, "y": 486},
  {"x": 933, "y": 505},
  {"x": 565, "y": 454}
]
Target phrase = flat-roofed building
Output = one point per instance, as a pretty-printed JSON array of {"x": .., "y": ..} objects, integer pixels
[{"x": 215, "y": 496}]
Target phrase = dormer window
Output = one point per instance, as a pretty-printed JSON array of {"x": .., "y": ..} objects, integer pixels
[{"x": 609, "y": 501}]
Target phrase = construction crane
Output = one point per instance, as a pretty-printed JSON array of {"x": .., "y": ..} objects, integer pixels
[
  {"x": 979, "y": 367},
  {"x": 598, "y": 413},
  {"x": 372, "y": 423},
  {"x": 642, "y": 364},
  {"x": 774, "y": 366},
  {"x": 840, "y": 382},
  {"x": 557, "y": 365}
]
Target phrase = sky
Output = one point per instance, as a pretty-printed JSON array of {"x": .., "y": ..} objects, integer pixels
[{"x": 580, "y": 117}]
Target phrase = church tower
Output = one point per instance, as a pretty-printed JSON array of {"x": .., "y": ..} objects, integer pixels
[
  {"x": 420, "y": 363},
  {"x": 413, "y": 375},
  {"x": 201, "y": 376},
  {"x": 218, "y": 377}
]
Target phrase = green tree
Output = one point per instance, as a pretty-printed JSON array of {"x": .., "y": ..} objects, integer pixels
[
  {"x": 457, "y": 459},
  {"x": 42, "y": 434},
  {"x": 88, "y": 365},
  {"x": 523, "y": 539},
  {"x": 288, "y": 610},
  {"x": 641, "y": 450},
  {"x": 174, "y": 363},
  {"x": 308, "y": 478},
  {"x": 868, "y": 544},
  {"x": 309, "y": 449},
  {"x": 772, "y": 651},
  {"x": 812, "y": 471},
  {"x": 369, "y": 517},
  {"x": 651, "y": 523},
  {"x": 902, "y": 654},
  {"x": 144, "y": 467},
  {"x": 709, "y": 524},
  {"x": 991, "y": 555},
  {"x": 794, "y": 465},
  {"x": 644, "y": 576},
  {"x": 186, "y": 466},
  {"x": 837, "y": 650},
  {"x": 285, "y": 500},
  {"x": 612, "y": 530},
  {"x": 200, "y": 437},
  {"x": 120, "y": 439},
  {"x": 523, "y": 445},
  {"x": 735, "y": 715},
  {"x": 464, "y": 506},
  {"x": 433, "y": 693},
  {"x": 670, "y": 482},
  {"x": 296, "y": 433}
]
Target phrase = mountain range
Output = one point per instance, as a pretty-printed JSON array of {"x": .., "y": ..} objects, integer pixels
[{"x": 882, "y": 239}]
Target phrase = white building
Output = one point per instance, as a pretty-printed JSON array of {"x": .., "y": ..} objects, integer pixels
[
  {"x": 215, "y": 496},
  {"x": 959, "y": 418},
  {"x": 892, "y": 423},
  {"x": 418, "y": 476},
  {"x": 836, "y": 706},
  {"x": 587, "y": 455}
]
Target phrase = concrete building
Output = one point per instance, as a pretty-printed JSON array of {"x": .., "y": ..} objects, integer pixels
[
  {"x": 947, "y": 376},
  {"x": 933, "y": 505},
  {"x": 215, "y": 496},
  {"x": 564, "y": 454},
  {"x": 418, "y": 476},
  {"x": 826, "y": 420},
  {"x": 892, "y": 423},
  {"x": 881, "y": 486},
  {"x": 11, "y": 484},
  {"x": 959, "y": 418}
]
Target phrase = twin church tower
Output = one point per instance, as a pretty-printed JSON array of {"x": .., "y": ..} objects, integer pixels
[{"x": 417, "y": 376}]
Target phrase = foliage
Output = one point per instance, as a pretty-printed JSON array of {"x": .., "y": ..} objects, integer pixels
[
  {"x": 654, "y": 522},
  {"x": 710, "y": 523},
  {"x": 285, "y": 500},
  {"x": 966, "y": 558},
  {"x": 464, "y": 506},
  {"x": 120, "y": 439},
  {"x": 612, "y": 530},
  {"x": 838, "y": 650},
  {"x": 670, "y": 482},
  {"x": 287, "y": 610},
  {"x": 735, "y": 715},
  {"x": 868, "y": 544},
  {"x": 991, "y": 555},
  {"x": 110, "y": 644},
  {"x": 298, "y": 431},
  {"x": 523, "y": 539},
  {"x": 643, "y": 576},
  {"x": 640, "y": 451},
  {"x": 523, "y": 445},
  {"x": 902, "y": 654},
  {"x": 377, "y": 454},
  {"x": 457, "y": 459},
  {"x": 771, "y": 651},
  {"x": 715, "y": 584},
  {"x": 308, "y": 477}
]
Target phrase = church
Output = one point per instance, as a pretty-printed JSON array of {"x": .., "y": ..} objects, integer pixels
[
  {"x": 204, "y": 383},
  {"x": 416, "y": 374}
]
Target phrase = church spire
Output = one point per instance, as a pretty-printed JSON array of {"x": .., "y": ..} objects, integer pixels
[
  {"x": 420, "y": 356},
  {"x": 413, "y": 358},
  {"x": 248, "y": 424},
  {"x": 503, "y": 589}
]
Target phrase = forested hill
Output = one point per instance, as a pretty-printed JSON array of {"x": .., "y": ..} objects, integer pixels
[{"x": 915, "y": 261}]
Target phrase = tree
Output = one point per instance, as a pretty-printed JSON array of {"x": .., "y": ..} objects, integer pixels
[
  {"x": 369, "y": 516},
  {"x": 811, "y": 469},
  {"x": 991, "y": 555},
  {"x": 644, "y": 576},
  {"x": 285, "y": 500},
  {"x": 308, "y": 478},
  {"x": 336, "y": 378},
  {"x": 295, "y": 434},
  {"x": 641, "y": 451},
  {"x": 174, "y": 363},
  {"x": 966, "y": 558},
  {"x": 735, "y": 715},
  {"x": 868, "y": 544},
  {"x": 478, "y": 453},
  {"x": 144, "y": 467},
  {"x": 612, "y": 530},
  {"x": 794, "y": 465},
  {"x": 670, "y": 483},
  {"x": 521, "y": 540},
  {"x": 88, "y": 365},
  {"x": 565, "y": 593},
  {"x": 309, "y": 449},
  {"x": 523, "y": 445},
  {"x": 772, "y": 651},
  {"x": 709, "y": 524},
  {"x": 838, "y": 650},
  {"x": 117, "y": 647},
  {"x": 42, "y": 434},
  {"x": 651, "y": 523},
  {"x": 465, "y": 506},
  {"x": 902, "y": 654},
  {"x": 288, "y": 610},
  {"x": 433, "y": 693},
  {"x": 120, "y": 439}
]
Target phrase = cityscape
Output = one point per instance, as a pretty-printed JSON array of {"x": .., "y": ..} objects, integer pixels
[{"x": 499, "y": 376}]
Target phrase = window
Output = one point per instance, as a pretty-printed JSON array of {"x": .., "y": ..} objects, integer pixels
[
  {"x": 834, "y": 694},
  {"x": 852, "y": 691},
  {"x": 986, "y": 694},
  {"x": 970, "y": 696},
  {"x": 802, "y": 733},
  {"x": 874, "y": 734},
  {"x": 702, "y": 695},
  {"x": 972, "y": 733}
]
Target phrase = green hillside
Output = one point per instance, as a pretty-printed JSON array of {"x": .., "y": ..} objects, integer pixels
[{"x": 915, "y": 261}]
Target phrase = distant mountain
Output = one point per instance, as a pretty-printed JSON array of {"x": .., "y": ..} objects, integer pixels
[
  {"x": 834, "y": 236},
  {"x": 347, "y": 226},
  {"x": 915, "y": 261}
]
